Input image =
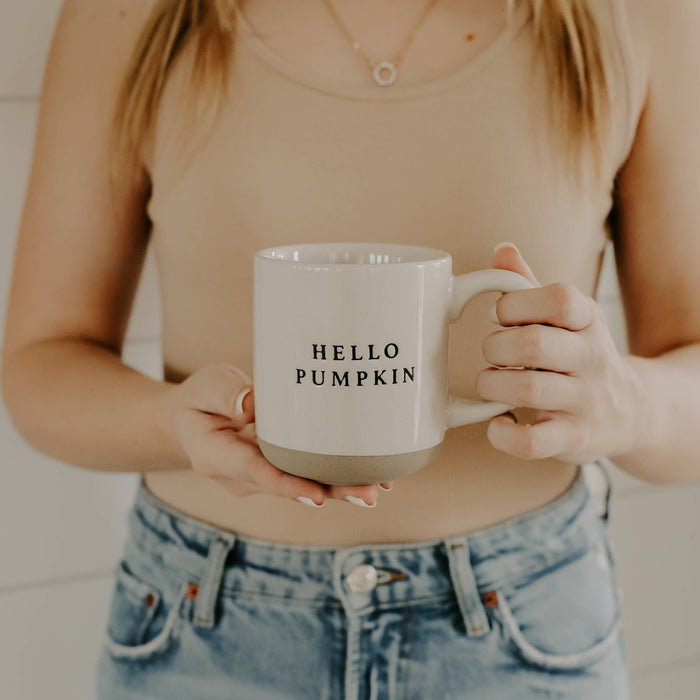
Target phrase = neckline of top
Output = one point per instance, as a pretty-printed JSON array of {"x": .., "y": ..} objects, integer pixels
[{"x": 395, "y": 92}]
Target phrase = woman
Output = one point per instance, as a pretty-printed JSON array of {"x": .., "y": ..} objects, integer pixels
[{"x": 488, "y": 574}]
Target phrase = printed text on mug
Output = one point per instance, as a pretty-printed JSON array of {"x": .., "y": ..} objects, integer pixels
[{"x": 360, "y": 377}]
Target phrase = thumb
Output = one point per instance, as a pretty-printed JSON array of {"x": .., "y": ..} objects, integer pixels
[
  {"x": 224, "y": 390},
  {"x": 506, "y": 256}
]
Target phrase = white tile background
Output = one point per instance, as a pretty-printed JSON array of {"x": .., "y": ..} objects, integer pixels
[{"x": 61, "y": 528}]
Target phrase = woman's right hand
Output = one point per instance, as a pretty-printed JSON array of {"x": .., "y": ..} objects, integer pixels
[{"x": 217, "y": 432}]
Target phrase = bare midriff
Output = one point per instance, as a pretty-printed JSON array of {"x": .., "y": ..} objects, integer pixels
[{"x": 469, "y": 486}]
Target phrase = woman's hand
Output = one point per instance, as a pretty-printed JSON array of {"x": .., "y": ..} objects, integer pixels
[
  {"x": 212, "y": 414},
  {"x": 585, "y": 395}
]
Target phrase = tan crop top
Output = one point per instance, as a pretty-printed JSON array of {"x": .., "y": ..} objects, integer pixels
[
  {"x": 456, "y": 163},
  {"x": 460, "y": 162}
]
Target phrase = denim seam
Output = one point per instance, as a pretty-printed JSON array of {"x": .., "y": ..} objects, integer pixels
[
  {"x": 160, "y": 643},
  {"x": 551, "y": 660},
  {"x": 269, "y": 599},
  {"x": 233, "y": 593},
  {"x": 494, "y": 583},
  {"x": 183, "y": 574}
]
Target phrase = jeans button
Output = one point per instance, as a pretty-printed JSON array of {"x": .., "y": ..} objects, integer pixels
[{"x": 362, "y": 578}]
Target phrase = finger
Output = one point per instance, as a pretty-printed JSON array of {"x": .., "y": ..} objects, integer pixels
[
  {"x": 257, "y": 474},
  {"x": 238, "y": 464},
  {"x": 219, "y": 390},
  {"x": 248, "y": 432},
  {"x": 557, "y": 304},
  {"x": 242, "y": 414},
  {"x": 530, "y": 389},
  {"x": 537, "y": 345},
  {"x": 366, "y": 495},
  {"x": 506, "y": 256},
  {"x": 549, "y": 438}
]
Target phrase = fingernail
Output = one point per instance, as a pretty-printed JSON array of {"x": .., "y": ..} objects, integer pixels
[
  {"x": 504, "y": 244},
  {"x": 238, "y": 408},
  {"x": 493, "y": 315},
  {"x": 308, "y": 502},
  {"x": 391, "y": 486},
  {"x": 359, "y": 502}
]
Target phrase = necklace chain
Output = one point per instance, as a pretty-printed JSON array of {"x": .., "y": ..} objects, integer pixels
[{"x": 379, "y": 68}]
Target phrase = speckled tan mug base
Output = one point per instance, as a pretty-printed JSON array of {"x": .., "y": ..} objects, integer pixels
[{"x": 347, "y": 470}]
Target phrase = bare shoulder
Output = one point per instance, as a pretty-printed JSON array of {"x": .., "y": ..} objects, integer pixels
[
  {"x": 103, "y": 23},
  {"x": 97, "y": 35},
  {"x": 114, "y": 19},
  {"x": 92, "y": 44},
  {"x": 80, "y": 241}
]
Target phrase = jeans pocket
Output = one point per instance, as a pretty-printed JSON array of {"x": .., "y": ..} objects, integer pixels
[
  {"x": 144, "y": 619},
  {"x": 566, "y": 616}
]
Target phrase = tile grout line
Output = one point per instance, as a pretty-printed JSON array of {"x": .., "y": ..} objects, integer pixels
[
  {"x": 38, "y": 584},
  {"x": 7, "y": 99},
  {"x": 659, "y": 668}
]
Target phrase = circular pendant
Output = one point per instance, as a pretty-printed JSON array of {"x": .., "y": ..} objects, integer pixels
[{"x": 388, "y": 79}]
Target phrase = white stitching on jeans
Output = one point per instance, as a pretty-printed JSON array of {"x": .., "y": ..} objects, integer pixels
[
  {"x": 555, "y": 661},
  {"x": 160, "y": 640}
]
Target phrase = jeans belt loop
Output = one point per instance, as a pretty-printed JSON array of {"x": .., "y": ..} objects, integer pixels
[
  {"x": 473, "y": 612},
  {"x": 208, "y": 590}
]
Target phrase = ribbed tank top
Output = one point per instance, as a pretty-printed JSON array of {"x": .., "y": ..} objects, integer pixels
[
  {"x": 461, "y": 163},
  {"x": 456, "y": 163}
]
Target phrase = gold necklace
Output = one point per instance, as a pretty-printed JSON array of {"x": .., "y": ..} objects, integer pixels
[{"x": 391, "y": 66}]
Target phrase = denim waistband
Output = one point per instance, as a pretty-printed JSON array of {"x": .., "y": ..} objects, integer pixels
[{"x": 240, "y": 565}]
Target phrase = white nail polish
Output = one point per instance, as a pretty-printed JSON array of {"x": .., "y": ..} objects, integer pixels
[
  {"x": 493, "y": 315},
  {"x": 308, "y": 502},
  {"x": 504, "y": 244},
  {"x": 238, "y": 408},
  {"x": 359, "y": 502}
]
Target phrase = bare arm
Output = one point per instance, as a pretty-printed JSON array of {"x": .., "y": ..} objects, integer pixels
[
  {"x": 78, "y": 260},
  {"x": 657, "y": 245}
]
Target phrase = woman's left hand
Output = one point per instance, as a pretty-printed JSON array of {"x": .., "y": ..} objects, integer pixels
[{"x": 585, "y": 395}]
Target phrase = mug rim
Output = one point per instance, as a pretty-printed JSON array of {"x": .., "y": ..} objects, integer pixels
[{"x": 429, "y": 255}]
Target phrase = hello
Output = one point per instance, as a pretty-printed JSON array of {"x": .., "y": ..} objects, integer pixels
[{"x": 391, "y": 350}]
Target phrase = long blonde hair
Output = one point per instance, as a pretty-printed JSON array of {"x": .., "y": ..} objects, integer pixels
[{"x": 567, "y": 36}]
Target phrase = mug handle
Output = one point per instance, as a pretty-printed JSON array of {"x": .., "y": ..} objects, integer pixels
[{"x": 462, "y": 289}]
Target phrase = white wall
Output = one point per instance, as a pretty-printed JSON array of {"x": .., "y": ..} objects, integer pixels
[{"x": 61, "y": 528}]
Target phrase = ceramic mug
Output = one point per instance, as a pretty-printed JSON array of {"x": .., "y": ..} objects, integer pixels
[{"x": 350, "y": 357}]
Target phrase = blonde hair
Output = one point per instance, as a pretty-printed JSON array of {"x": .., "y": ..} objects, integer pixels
[{"x": 567, "y": 39}]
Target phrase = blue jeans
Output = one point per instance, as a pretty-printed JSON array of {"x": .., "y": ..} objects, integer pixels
[{"x": 527, "y": 608}]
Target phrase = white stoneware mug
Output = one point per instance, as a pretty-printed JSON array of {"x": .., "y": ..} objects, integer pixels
[{"x": 350, "y": 357}]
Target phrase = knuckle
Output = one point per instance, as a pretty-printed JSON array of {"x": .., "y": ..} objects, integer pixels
[
  {"x": 532, "y": 345},
  {"x": 530, "y": 442},
  {"x": 487, "y": 347},
  {"x": 563, "y": 297},
  {"x": 528, "y": 390},
  {"x": 482, "y": 382},
  {"x": 596, "y": 359}
]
